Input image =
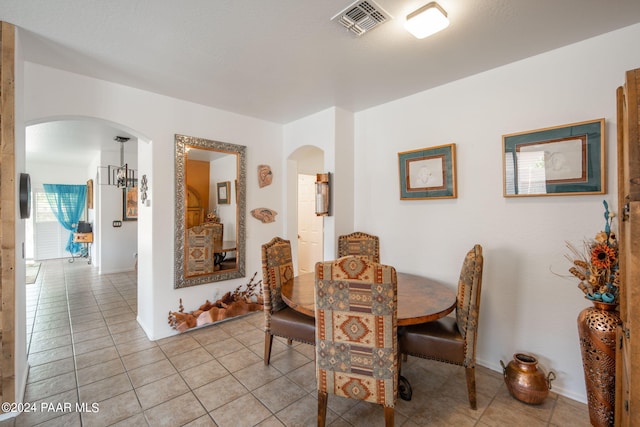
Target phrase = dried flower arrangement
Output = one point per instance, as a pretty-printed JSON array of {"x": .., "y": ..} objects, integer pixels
[
  {"x": 231, "y": 304},
  {"x": 597, "y": 265}
]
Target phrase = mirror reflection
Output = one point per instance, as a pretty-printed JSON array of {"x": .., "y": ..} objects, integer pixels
[{"x": 210, "y": 206}]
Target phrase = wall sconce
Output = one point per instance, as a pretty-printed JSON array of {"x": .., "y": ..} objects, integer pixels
[
  {"x": 427, "y": 20},
  {"x": 322, "y": 194}
]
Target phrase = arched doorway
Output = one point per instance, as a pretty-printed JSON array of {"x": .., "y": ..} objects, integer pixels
[{"x": 78, "y": 150}]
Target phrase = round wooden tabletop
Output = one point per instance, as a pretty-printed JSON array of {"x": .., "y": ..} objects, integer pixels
[{"x": 420, "y": 299}]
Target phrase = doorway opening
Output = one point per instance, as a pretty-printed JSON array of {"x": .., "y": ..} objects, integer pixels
[
  {"x": 73, "y": 151},
  {"x": 310, "y": 226},
  {"x": 308, "y": 247}
]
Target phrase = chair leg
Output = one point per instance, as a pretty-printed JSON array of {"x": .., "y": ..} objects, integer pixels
[
  {"x": 268, "y": 340},
  {"x": 388, "y": 416},
  {"x": 322, "y": 408},
  {"x": 404, "y": 357},
  {"x": 289, "y": 341},
  {"x": 471, "y": 387}
]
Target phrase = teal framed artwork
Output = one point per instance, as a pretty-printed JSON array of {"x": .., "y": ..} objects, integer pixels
[
  {"x": 428, "y": 173},
  {"x": 563, "y": 160}
]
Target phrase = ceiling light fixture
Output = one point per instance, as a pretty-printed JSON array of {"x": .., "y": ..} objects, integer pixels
[
  {"x": 427, "y": 20},
  {"x": 123, "y": 175}
]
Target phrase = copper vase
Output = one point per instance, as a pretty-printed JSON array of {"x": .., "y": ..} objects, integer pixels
[
  {"x": 597, "y": 329},
  {"x": 525, "y": 380}
]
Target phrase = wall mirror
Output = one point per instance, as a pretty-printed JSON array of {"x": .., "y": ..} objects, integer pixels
[{"x": 210, "y": 211}]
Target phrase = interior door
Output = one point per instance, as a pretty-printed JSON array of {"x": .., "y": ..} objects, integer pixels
[
  {"x": 310, "y": 225},
  {"x": 628, "y": 348}
]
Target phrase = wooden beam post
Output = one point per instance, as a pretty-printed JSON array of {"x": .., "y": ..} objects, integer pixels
[{"x": 7, "y": 211}]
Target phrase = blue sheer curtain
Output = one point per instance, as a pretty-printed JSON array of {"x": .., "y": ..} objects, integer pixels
[{"x": 67, "y": 203}]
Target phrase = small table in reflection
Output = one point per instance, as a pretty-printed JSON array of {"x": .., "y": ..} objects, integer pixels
[{"x": 220, "y": 250}]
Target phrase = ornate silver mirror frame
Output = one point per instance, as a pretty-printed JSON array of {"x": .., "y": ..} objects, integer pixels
[{"x": 182, "y": 145}]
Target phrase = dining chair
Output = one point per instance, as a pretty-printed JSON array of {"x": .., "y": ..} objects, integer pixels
[
  {"x": 217, "y": 230},
  {"x": 361, "y": 244},
  {"x": 280, "y": 319},
  {"x": 356, "y": 333},
  {"x": 217, "y": 233},
  {"x": 199, "y": 251},
  {"x": 453, "y": 339}
]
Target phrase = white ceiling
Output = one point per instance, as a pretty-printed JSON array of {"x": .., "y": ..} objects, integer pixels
[
  {"x": 74, "y": 142},
  {"x": 280, "y": 60}
]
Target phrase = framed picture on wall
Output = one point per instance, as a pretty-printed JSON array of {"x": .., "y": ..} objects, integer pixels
[
  {"x": 556, "y": 161},
  {"x": 428, "y": 173},
  {"x": 130, "y": 202},
  {"x": 90, "y": 194},
  {"x": 224, "y": 195}
]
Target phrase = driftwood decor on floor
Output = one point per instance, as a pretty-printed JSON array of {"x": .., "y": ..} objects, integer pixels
[{"x": 231, "y": 304}]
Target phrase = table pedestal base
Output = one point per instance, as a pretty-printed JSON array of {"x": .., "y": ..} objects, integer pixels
[{"x": 404, "y": 388}]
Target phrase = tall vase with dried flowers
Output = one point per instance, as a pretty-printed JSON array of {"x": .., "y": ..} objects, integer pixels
[
  {"x": 597, "y": 269},
  {"x": 597, "y": 265}
]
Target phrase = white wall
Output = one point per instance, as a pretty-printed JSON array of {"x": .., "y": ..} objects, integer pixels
[
  {"x": 331, "y": 130},
  {"x": 156, "y": 119},
  {"x": 48, "y": 173},
  {"x": 222, "y": 170},
  {"x": 20, "y": 326},
  {"x": 316, "y": 130},
  {"x": 117, "y": 245},
  {"x": 525, "y": 306}
]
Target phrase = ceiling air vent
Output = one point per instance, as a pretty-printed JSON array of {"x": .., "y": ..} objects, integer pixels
[{"x": 362, "y": 16}]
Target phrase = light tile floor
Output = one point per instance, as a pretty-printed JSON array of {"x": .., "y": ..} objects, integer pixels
[{"x": 86, "y": 347}]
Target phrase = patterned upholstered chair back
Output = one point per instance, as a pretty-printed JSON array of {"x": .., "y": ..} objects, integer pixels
[
  {"x": 217, "y": 231},
  {"x": 356, "y": 330},
  {"x": 199, "y": 246},
  {"x": 361, "y": 244},
  {"x": 277, "y": 269},
  {"x": 468, "y": 300}
]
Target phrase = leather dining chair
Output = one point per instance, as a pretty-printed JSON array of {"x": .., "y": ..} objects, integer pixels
[
  {"x": 356, "y": 333},
  {"x": 361, "y": 244},
  {"x": 280, "y": 319},
  {"x": 453, "y": 339}
]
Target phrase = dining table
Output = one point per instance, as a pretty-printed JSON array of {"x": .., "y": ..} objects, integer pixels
[{"x": 420, "y": 300}]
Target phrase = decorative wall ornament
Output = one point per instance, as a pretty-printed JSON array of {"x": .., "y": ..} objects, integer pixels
[
  {"x": 265, "y": 176},
  {"x": 25, "y": 195},
  {"x": 144, "y": 187},
  {"x": 265, "y": 215}
]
